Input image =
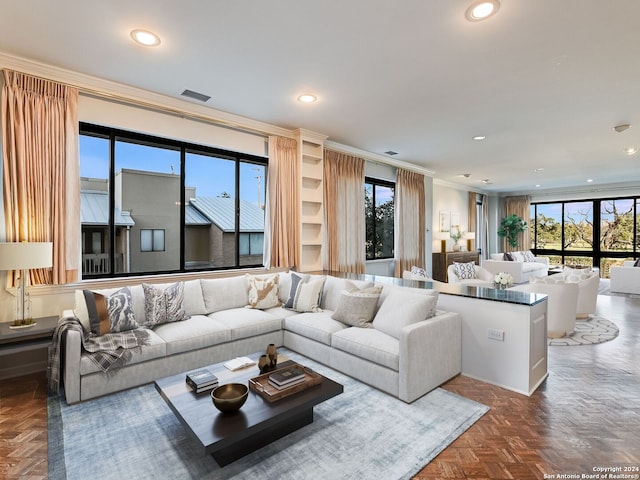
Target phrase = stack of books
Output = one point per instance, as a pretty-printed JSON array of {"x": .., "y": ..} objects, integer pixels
[
  {"x": 287, "y": 377},
  {"x": 201, "y": 380}
]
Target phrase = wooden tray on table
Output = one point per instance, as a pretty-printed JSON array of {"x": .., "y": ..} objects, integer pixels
[{"x": 262, "y": 387}]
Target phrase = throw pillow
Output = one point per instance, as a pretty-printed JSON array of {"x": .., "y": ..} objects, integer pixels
[
  {"x": 419, "y": 272},
  {"x": 508, "y": 257},
  {"x": 357, "y": 306},
  {"x": 296, "y": 278},
  {"x": 263, "y": 292},
  {"x": 576, "y": 275},
  {"x": 465, "y": 271},
  {"x": 529, "y": 256},
  {"x": 637, "y": 263},
  {"x": 163, "y": 305},
  {"x": 110, "y": 313},
  {"x": 517, "y": 256},
  {"x": 402, "y": 308},
  {"x": 308, "y": 295}
]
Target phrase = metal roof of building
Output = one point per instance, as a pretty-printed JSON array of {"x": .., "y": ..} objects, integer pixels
[
  {"x": 193, "y": 217},
  {"x": 94, "y": 210},
  {"x": 221, "y": 212}
]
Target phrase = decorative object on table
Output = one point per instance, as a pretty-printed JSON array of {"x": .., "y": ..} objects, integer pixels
[
  {"x": 287, "y": 377},
  {"x": 456, "y": 235},
  {"x": 502, "y": 280},
  {"x": 264, "y": 364},
  {"x": 24, "y": 256},
  {"x": 201, "y": 380},
  {"x": 510, "y": 228},
  {"x": 272, "y": 352},
  {"x": 267, "y": 390},
  {"x": 230, "y": 397}
]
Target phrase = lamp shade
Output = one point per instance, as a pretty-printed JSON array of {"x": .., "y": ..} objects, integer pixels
[{"x": 26, "y": 255}]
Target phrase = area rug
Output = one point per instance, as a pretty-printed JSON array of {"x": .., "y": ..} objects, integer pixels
[
  {"x": 588, "y": 332},
  {"x": 361, "y": 434}
]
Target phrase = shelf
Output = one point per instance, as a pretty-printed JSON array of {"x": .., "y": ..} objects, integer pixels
[
  {"x": 311, "y": 258},
  {"x": 311, "y": 234},
  {"x": 311, "y": 149},
  {"x": 311, "y": 212}
]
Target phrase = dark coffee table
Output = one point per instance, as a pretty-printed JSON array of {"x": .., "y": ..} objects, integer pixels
[{"x": 228, "y": 437}]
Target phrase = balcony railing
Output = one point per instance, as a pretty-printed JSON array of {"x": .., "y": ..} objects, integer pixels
[{"x": 95, "y": 263}]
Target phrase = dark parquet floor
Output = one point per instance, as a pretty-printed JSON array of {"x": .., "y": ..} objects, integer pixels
[{"x": 585, "y": 416}]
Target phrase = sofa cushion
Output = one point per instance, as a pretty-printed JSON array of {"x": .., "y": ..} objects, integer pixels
[
  {"x": 308, "y": 294},
  {"x": 315, "y": 326},
  {"x": 357, "y": 306},
  {"x": 402, "y": 308},
  {"x": 110, "y": 313},
  {"x": 163, "y": 304},
  {"x": 387, "y": 289},
  {"x": 224, "y": 293},
  {"x": 155, "y": 348},
  {"x": 532, "y": 266},
  {"x": 333, "y": 288},
  {"x": 193, "y": 298},
  {"x": 82, "y": 314},
  {"x": 195, "y": 332},
  {"x": 247, "y": 322},
  {"x": 528, "y": 256},
  {"x": 465, "y": 271},
  {"x": 369, "y": 344},
  {"x": 263, "y": 292},
  {"x": 296, "y": 278}
]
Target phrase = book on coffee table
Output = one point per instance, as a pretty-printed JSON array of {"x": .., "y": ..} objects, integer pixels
[
  {"x": 201, "y": 380},
  {"x": 288, "y": 384},
  {"x": 287, "y": 376},
  {"x": 238, "y": 363}
]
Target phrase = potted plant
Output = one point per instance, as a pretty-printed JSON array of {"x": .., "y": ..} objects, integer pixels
[{"x": 510, "y": 227}]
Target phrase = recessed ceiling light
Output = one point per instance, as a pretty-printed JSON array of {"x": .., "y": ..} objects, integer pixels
[
  {"x": 391, "y": 152},
  {"x": 622, "y": 127},
  {"x": 539, "y": 169},
  {"x": 486, "y": 181},
  {"x": 479, "y": 137},
  {"x": 481, "y": 10},
  {"x": 631, "y": 150},
  {"x": 538, "y": 185},
  {"x": 589, "y": 180},
  {"x": 145, "y": 37},
  {"x": 307, "y": 98}
]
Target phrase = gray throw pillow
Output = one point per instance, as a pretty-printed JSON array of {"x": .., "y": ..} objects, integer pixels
[
  {"x": 357, "y": 306},
  {"x": 163, "y": 305}
]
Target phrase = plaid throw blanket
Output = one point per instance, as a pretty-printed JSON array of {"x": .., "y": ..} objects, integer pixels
[{"x": 108, "y": 352}]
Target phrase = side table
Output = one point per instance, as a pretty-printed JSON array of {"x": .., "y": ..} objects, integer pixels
[{"x": 25, "y": 350}]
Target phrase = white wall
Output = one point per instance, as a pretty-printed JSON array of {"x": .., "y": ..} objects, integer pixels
[{"x": 448, "y": 199}]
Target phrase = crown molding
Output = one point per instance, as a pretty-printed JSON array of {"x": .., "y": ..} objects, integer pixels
[
  {"x": 377, "y": 158},
  {"x": 465, "y": 188},
  {"x": 114, "y": 91}
]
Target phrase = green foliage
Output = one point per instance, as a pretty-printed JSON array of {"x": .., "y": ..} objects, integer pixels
[
  {"x": 510, "y": 227},
  {"x": 379, "y": 221}
]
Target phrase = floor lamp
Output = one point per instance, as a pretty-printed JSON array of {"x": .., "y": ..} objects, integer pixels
[{"x": 24, "y": 256}]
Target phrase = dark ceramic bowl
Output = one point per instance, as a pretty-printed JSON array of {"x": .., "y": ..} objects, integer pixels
[{"x": 230, "y": 397}]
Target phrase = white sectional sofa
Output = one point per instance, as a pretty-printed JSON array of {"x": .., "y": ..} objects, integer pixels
[
  {"x": 521, "y": 271},
  {"x": 404, "y": 359}
]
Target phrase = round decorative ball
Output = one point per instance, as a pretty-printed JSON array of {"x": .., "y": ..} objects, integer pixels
[{"x": 230, "y": 397}]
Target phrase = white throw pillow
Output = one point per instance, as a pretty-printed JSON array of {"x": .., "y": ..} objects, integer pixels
[
  {"x": 308, "y": 295},
  {"x": 418, "y": 272},
  {"x": 465, "y": 271},
  {"x": 402, "y": 308},
  {"x": 263, "y": 292}
]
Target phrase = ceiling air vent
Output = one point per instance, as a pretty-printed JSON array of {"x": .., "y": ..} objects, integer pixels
[
  {"x": 195, "y": 95},
  {"x": 391, "y": 152}
]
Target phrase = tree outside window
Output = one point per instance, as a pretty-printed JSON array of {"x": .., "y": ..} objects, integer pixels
[{"x": 379, "y": 217}]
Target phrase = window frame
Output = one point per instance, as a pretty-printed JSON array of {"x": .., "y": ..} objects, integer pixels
[
  {"x": 112, "y": 135},
  {"x": 381, "y": 183}
]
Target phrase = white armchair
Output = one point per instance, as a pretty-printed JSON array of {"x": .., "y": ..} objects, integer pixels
[
  {"x": 588, "y": 282},
  {"x": 625, "y": 279},
  {"x": 562, "y": 301},
  {"x": 484, "y": 278}
]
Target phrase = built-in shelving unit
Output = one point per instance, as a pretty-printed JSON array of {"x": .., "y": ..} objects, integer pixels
[{"x": 310, "y": 152}]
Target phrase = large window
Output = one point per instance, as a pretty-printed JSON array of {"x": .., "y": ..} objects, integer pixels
[
  {"x": 599, "y": 233},
  {"x": 379, "y": 195},
  {"x": 151, "y": 205}
]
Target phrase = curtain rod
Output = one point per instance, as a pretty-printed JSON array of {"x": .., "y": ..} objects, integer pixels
[{"x": 127, "y": 101}]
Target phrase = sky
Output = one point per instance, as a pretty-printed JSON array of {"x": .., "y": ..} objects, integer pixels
[
  {"x": 554, "y": 210},
  {"x": 211, "y": 176}
]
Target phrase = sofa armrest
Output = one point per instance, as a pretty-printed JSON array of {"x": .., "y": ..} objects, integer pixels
[
  {"x": 430, "y": 354},
  {"x": 544, "y": 260},
  {"x": 72, "y": 351}
]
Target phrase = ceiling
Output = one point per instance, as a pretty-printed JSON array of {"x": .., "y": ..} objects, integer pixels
[{"x": 546, "y": 80}]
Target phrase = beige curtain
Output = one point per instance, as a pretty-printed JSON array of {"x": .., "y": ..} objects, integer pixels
[
  {"x": 41, "y": 171},
  {"x": 282, "y": 211},
  {"x": 519, "y": 206},
  {"x": 344, "y": 234},
  {"x": 473, "y": 222},
  {"x": 409, "y": 228}
]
